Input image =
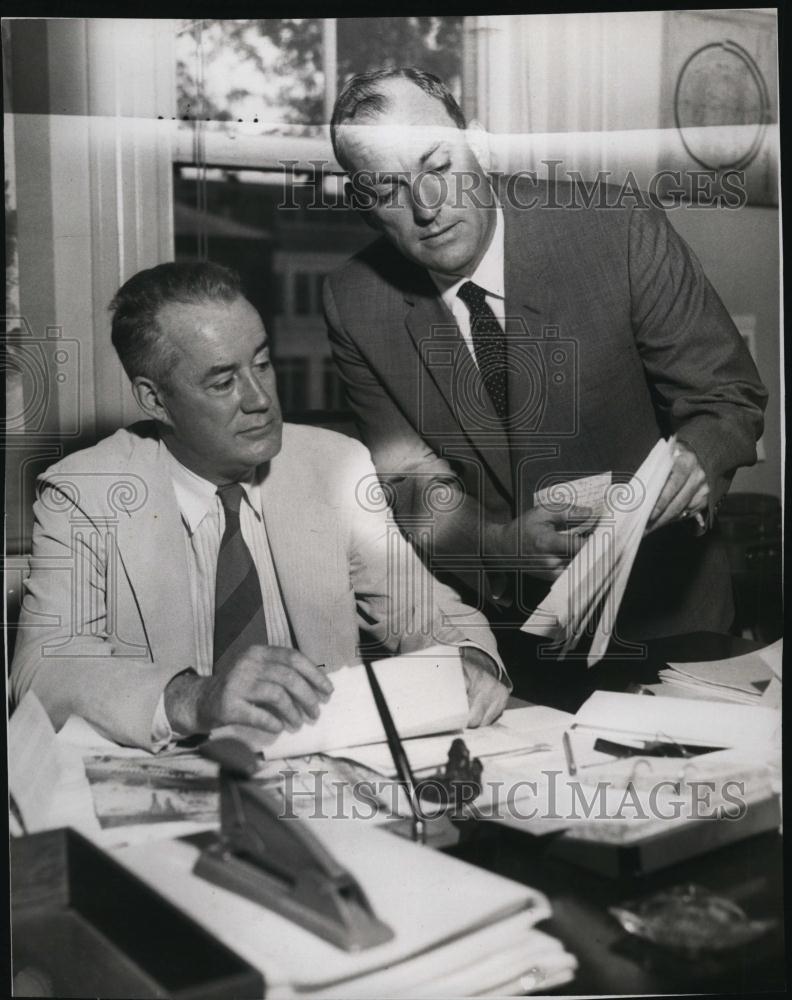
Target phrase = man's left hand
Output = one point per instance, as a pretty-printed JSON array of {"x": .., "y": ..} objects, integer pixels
[
  {"x": 685, "y": 493},
  {"x": 487, "y": 695}
]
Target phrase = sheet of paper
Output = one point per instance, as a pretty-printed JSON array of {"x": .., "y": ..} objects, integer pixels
[
  {"x": 595, "y": 580},
  {"x": 627, "y": 535},
  {"x": 34, "y": 768},
  {"x": 773, "y": 656},
  {"x": 532, "y": 719},
  {"x": 45, "y": 776},
  {"x": 429, "y": 899},
  {"x": 588, "y": 491},
  {"x": 425, "y": 692},
  {"x": 432, "y": 751},
  {"x": 690, "y": 721},
  {"x": 749, "y": 673}
]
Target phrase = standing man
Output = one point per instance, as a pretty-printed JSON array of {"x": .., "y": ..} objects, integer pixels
[
  {"x": 211, "y": 565},
  {"x": 497, "y": 339}
]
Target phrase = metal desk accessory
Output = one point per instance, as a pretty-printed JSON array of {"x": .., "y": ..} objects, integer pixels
[
  {"x": 280, "y": 863},
  {"x": 453, "y": 789}
]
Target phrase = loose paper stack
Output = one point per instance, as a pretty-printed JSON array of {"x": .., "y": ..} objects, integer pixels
[
  {"x": 458, "y": 930},
  {"x": 595, "y": 580},
  {"x": 751, "y": 679}
]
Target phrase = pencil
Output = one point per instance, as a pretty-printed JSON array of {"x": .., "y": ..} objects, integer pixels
[{"x": 570, "y": 760}]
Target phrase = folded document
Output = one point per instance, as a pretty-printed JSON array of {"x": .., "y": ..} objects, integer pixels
[{"x": 425, "y": 691}]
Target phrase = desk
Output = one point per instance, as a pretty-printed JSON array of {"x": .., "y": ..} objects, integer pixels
[
  {"x": 748, "y": 873},
  {"x": 612, "y": 962}
]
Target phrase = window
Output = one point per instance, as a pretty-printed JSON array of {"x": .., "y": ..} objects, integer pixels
[
  {"x": 252, "y": 96},
  {"x": 293, "y": 387}
]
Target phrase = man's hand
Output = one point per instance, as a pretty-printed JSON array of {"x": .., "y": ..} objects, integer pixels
[
  {"x": 487, "y": 695},
  {"x": 269, "y": 687},
  {"x": 541, "y": 538},
  {"x": 685, "y": 493}
]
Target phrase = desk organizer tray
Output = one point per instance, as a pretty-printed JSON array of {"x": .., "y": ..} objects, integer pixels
[{"x": 83, "y": 926}]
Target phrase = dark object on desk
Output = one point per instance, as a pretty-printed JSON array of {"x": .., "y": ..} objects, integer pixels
[
  {"x": 690, "y": 919},
  {"x": 280, "y": 863},
  {"x": 652, "y": 748},
  {"x": 667, "y": 847},
  {"x": 457, "y": 785},
  {"x": 442, "y": 799},
  {"x": 83, "y": 926}
]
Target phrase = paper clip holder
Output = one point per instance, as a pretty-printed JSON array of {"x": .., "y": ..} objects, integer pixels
[{"x": 280, "y": 863}]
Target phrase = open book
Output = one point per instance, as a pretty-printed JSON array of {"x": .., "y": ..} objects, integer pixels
[{"x": 595, "y": 580}]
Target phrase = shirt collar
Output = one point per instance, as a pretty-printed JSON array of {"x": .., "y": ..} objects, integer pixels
[
  {"x": 197, "y": 496},
  {"x": 489, "y": 274}
]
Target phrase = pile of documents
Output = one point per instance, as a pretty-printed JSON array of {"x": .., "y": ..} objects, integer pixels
[
  {"x": 595, "y": 580},
  {"x": 458, "y": 930},
  {"x": 750, "y": 679}
]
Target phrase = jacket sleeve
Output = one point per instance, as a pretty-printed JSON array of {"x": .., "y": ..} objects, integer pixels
[
  {"x": 400, "y": 454},
  {"x": 401, "y": 606},
  {"x": 66, "y": 651},
  {"x": 705, "y": 385}
]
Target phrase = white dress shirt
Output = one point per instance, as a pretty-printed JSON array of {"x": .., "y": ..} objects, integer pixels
[
  {"x": 203, "y": 518},
  {"x": 489, "y": 275}
]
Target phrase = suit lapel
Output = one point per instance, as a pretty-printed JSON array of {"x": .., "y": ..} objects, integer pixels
[
  {"x": 543, "y": 408},
  {"x": 151, "y": 549},
  {"x": 304, "y": 542},
  {"x": 446, "y": 361}
]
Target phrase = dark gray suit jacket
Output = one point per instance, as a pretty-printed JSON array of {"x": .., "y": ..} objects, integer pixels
[{"x": 614, "y": 338}]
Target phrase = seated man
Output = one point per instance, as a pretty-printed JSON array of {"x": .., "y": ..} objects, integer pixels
[{"x": 203, "y": 567}]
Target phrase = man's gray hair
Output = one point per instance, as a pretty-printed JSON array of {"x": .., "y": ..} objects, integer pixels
[
  {"x": 364, "y": 96},
  {"x": 136, "y": 333}
]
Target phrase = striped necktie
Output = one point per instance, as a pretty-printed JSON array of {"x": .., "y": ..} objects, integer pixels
[
  {"x": 489, "y": 345},
  {"x": 239, "y": 621}
]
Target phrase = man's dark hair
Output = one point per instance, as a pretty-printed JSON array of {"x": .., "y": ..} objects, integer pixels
[
  {"x": 363, "y": 96},
  {"x": 136, "y": 333}
]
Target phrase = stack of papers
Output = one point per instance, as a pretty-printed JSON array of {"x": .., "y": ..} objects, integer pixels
[
  {"x": 458, "y": 930},
  {"x": 751, "y": 679},
  {"x": 595, "y": 580}
]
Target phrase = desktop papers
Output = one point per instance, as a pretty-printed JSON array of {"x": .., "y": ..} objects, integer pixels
[
  {"x": 596, "y": 578},
  {"x": 450, "y": 920},
  {"x": 747, "y": 679},
  {"x": 45, "y": 777},
  {"x": 519, "y": 732},
  {"x": 690, "y": 722},
  {"x": 425, "y": 691}
]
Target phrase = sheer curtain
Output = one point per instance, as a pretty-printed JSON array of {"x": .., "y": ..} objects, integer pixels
[
  {"x": 584, "y": 88},
  {"x": 90, "y": 108}
]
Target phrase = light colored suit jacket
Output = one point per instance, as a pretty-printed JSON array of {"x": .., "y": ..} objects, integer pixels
[
  {"x": 615, "y": 338},
  {"x": 107, "y": 620}
]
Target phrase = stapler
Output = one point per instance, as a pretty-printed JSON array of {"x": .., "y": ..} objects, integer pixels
[{"x": 280, "y": 863}]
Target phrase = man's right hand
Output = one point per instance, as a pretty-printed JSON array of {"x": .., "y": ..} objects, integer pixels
[
  {"x": 269, "y": 688},
  {"x": 541, "y": 539}
]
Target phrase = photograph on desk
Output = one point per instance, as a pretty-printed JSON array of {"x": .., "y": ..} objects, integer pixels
[{"x": 394, "y": 462}]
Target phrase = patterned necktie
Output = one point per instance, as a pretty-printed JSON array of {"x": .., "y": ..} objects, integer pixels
[
  {"x": 489, "y": 345},
  {"x": 239, "y": 621}
]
